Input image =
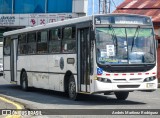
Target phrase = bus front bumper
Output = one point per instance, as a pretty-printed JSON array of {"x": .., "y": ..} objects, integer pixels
[{"x": 144, "y": 86}]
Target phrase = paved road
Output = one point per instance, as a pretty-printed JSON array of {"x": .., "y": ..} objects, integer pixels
[
  {"x": 45, "y": 99},
  {"x": 3, "y": 104}
]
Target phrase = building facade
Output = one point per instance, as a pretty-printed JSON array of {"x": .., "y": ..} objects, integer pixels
[{"x": 16, "y": 14}]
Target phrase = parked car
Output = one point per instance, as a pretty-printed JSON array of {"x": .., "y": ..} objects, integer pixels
[{"x": 1, "y": 69}]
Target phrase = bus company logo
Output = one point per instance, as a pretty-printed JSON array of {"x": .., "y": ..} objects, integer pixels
[
  {"x": 61, "y": 63},
  {"x": 99, "y": 71}
]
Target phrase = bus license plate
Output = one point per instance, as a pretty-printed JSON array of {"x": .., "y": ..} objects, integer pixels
[{"x": 150, "y": 85}]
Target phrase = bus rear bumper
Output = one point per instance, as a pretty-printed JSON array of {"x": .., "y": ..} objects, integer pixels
[{"x": 145, "y": 86}]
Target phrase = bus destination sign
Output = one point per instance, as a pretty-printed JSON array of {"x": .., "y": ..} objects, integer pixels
[{"x": 122, "y": 19}]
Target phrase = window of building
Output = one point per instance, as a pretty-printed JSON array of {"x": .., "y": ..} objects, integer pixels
[
  {"x": 69, "y": 42},
  {"x": 31, "y": 39},
  {"x": 29, "y": 6},
  {"x": 7, "y": 46},
  {"x": 1, "y": 36},
  {"x": 22, "y": 44},
  {"x": 42, "y": 42},
  {"x": 54, "y": 41},
  {"x": 5, "y": 6},
  {"x": 59, "y": 6}
]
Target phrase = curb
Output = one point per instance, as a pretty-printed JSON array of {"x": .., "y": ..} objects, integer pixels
[
  {"x": 14, "y": 103},
  {"x": 7, "y": 100}
]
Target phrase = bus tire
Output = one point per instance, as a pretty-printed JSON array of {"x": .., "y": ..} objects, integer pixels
[
  {"x": 24, "y": 81},
  {"x": 72, "y": 88},
  {"x": 121, "y": 95}
]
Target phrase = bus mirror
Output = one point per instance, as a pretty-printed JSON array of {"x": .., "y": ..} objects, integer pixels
[{"x": 92, "y": 35}]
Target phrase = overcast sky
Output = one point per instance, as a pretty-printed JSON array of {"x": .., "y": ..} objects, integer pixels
[{"x": 96, "y": 5}]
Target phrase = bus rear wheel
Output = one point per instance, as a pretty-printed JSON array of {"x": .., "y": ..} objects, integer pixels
[
  {"x": 121, "y": 95},
  {"x": 72, "y": 88},
  {"x": 24, "y": 81}
]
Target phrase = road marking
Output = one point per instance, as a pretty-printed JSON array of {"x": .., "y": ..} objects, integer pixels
[{"x": 18, "y": 106}]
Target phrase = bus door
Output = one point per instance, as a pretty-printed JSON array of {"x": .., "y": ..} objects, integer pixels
[
  {"x": 13, "y": 59},
  {"x": 83, "y": 59}
]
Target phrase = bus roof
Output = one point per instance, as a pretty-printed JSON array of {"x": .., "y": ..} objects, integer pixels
[
  {"x": 62, "y": 23},
  {"x": 49, "y": 25}
]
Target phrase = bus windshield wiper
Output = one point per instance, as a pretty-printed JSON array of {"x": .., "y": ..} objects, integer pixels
[
  {"x": 114, "y": 38},
  {"x": 134, "y": 37}
]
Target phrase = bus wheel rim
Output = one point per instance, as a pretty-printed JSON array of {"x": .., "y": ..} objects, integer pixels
[
  {"x": 24, "y": 84},
  {"x": 72, "y": 89}
]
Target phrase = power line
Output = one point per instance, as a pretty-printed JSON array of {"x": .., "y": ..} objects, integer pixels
[
  {"x": 115, "y": 5},
  {"x": 105, "y": 6}
]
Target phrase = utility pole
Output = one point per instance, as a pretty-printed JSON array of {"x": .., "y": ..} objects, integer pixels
[{"x": 104, "y": 6}]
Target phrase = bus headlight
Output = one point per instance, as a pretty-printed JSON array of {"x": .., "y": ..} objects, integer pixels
[
  {"x": 148, "y": 79},
  {"x": 106, "y": 80}
]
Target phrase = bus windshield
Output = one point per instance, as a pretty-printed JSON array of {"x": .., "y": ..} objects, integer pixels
[{"x": 124, "y": 45}]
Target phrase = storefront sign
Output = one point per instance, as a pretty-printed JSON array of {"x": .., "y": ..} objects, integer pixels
[
  {"x": 7, "y": 20},
  {"x": 33, "y": 19}
]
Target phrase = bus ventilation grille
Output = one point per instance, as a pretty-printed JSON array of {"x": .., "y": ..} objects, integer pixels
[{"x": 128, "y": 86}]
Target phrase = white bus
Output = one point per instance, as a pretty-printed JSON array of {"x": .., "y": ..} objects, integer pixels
[{"x": 93, "y": 54}]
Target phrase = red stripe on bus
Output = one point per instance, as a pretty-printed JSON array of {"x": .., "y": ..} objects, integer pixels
[{"x": 139, "y": 73}]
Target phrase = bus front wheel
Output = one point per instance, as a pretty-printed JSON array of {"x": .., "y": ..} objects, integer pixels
[
  {"x": 121, "y": 95},
  {"x": 24, "y": 81},
  {"x": 72, "y": 88}
]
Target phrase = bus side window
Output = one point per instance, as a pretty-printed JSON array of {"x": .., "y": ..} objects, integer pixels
[
  {"x": 31, "y": 40},
  {"x": 42, "y": 42},
  {"x": 7, "y": 45},
  {"x": 22, "y": 44},
  {"x": 55, "y": 41},
  {"x": 69, "y": 40}
]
